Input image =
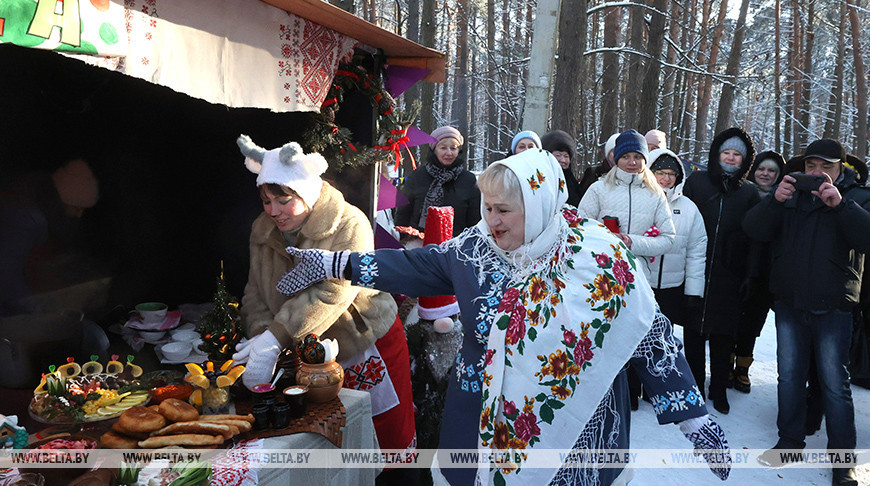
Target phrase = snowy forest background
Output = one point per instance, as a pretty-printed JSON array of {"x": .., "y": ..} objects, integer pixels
[{"x": 787, "y": 71}]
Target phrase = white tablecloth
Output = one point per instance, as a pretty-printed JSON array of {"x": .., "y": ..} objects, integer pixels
[{"x": 358, "y": 433}]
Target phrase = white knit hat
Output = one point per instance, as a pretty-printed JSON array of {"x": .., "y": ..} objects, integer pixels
[
  {"x": 611, "y": 144},
  {"x": 288, "y": 166}
]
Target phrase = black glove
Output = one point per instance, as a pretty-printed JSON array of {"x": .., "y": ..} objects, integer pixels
[
  {"x": 694, "y": 303},
  {"x": 710, "y": 442},
  {"x": 694, "y": 307}
]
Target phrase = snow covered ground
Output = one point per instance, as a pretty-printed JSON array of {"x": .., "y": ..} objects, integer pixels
[{"x": 750, "y": 425}]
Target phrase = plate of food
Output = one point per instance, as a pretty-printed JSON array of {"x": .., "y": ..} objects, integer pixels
[
  {"x": 59, "y": 445},
  {"x": 88, "y": 393}
]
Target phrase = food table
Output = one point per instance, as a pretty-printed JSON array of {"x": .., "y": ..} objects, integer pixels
[
  {"x": 358, "y": 433},
  {"x": 354, "y": 410}
]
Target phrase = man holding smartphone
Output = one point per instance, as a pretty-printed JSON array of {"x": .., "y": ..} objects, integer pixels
[{"x": 819, "y": 233}]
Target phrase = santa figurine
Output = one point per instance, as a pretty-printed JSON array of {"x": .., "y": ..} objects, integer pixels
[{"x": 440, "y": 309}]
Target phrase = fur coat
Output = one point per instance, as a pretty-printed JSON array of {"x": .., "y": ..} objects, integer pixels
[{"x": 324, "y": 308}]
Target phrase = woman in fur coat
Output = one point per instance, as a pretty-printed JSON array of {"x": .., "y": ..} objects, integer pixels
[{"x": 301, "y": 210}]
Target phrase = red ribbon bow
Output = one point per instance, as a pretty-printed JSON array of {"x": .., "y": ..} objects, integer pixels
[{"x": 396, "y": 145}]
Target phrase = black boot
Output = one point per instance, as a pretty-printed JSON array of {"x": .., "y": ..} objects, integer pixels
[
  {"x": 844, "y": 477},
  {"x": 720, "y": 401}
]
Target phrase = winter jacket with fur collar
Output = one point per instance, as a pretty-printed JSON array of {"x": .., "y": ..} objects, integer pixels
[{"x": 323, "y": 308}]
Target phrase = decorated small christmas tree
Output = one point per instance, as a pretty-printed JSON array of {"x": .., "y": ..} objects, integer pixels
[{"x": 219, "y": 327}]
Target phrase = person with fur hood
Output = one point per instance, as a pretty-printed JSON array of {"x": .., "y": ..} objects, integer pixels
[
  {"x": 723, "y": 197},
  {"x": 678, "y": 276},
  {"x": 302, "y": 210}
]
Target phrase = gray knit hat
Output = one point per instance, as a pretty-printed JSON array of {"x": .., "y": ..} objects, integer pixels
[{"x": 734, "y": 143}]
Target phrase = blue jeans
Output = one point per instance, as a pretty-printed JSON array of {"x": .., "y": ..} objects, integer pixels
[{"x": 828, "y": 336}]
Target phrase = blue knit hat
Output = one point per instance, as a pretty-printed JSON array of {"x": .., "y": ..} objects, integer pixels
[
  {"x": 630, "y": 141},
  {"x": 525, "y": 134}
]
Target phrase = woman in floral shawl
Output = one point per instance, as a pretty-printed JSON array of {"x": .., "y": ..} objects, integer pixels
[{"x": 552, "y": 306}]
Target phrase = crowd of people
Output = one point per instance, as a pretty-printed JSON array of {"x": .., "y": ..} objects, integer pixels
[{"x": 548, "y": 295}]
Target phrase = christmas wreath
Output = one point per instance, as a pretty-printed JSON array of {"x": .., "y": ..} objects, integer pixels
[{"x": 336, "y": 144}]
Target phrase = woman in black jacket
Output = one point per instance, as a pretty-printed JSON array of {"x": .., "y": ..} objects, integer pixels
[
  {"x": 723, "y": 198},
  {"x": 442, "y": 181},
  {"x": 564, "y": 149}
]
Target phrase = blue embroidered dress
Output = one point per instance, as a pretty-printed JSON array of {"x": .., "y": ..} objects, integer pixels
[{"x": 467, "y": 267}]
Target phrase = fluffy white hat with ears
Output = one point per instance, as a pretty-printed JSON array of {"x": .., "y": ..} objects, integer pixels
[{"x": 288, "y": 166}]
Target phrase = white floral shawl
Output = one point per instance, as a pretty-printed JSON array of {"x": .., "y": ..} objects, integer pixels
[{"x": 573, "y": 313}]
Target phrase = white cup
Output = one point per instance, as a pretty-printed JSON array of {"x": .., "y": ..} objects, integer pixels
[{"x": 152, "y": 312}]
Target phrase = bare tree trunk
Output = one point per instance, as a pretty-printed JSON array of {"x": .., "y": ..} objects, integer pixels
[
  {"x": 663, "y": 116},
  {"x": 636, "y": 69},
  {"x": 593, "y": 138},
  {"x": 835, "y": 105},
  {"x": 705, "y": 85},
  {"x": 459, "y": 111},
  {"x": 677, "y": 137},
  {"x": 797, "y": 93},
  {"x": 570, "y": 66},
  {"x": 471, "y": 117},
  {"x": 726, "y": 101},
  {"x": 860, "y": 82},
  {"x": 610, "y": 74},
  {"x": 697, "y": 147},
  {"x": 777, "y": 74},
  {"x": 447, "y": 38},
  {"x": 806, "y": 77},
  {"x": 427, "y": 90},
  {"x": 506, "y": 124},
  {"x": 650, "y": 93},
  {"x": 492, "y": 105}
]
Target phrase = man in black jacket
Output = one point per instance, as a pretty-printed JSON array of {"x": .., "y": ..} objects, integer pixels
[{"x": 819, "y": 241}]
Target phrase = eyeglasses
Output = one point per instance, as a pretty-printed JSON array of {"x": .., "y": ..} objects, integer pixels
[{"x": 665, "y": 173}]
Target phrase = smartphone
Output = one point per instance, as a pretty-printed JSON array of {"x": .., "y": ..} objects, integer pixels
[{"x": 807, "y": 182}]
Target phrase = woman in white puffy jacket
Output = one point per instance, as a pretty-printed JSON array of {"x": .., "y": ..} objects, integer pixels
[
  {"x": 631, "y": 193},
  {"x": 678, "y": 276}
]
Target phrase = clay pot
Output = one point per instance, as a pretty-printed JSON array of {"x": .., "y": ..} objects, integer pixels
[{"x": 323, "y": 380}]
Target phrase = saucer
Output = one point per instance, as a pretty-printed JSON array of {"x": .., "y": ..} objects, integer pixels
[{"x": 171, "y": 321}]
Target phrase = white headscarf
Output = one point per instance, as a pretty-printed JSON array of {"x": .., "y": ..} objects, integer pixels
[{"x": 542, "y": 203}]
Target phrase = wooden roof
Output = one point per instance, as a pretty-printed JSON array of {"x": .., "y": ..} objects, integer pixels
[{"x": 399, "y": 51}]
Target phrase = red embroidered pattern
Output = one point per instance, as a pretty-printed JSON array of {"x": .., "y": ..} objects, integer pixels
[
  {"x": 311, "y": 53},
  {"x": 366, "y": 375},
  {"x": 234, "y": 469}
]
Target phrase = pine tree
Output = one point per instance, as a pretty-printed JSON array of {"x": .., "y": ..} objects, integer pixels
[{"x": 219, "y": 327}]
